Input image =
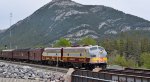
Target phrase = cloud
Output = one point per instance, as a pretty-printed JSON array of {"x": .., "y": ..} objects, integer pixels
[{"x": 23, "y": 8}]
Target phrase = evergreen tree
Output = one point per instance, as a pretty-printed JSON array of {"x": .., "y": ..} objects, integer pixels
[
  {"x": 62, "y": 42},
  {"x": 120, "y": 60},
  {"x": 87, "y": 41},
  {"x": 145, "y": 59},
  {"x": 144, "y": 45},
  {"x": 121, "y": 46}
]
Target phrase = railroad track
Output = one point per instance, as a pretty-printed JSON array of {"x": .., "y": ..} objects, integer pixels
[
  {"x": 45, "y": 67},
  {"x": 112, "y": 75},
  {"x": 107, "y": 75}
]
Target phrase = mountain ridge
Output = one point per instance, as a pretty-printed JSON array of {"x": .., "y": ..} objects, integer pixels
[{"x": 66, "y": 18}]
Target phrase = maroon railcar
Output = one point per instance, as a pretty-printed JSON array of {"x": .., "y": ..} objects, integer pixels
[
  {"x": 7, "y": 54},
  {"x": 36, "y": 54},
  {"x": 21, "y": 54}
]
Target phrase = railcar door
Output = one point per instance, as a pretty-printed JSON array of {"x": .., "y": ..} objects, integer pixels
[{"x": 61, "y": 53}]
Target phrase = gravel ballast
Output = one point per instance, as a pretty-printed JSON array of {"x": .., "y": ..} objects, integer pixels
[{"x": 25, "y": 72}]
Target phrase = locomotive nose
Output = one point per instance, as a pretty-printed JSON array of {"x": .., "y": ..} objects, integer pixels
[{"x": 103, "y": 53}]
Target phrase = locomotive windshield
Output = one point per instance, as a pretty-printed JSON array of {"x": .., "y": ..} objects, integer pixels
[
  {"x": 97, "y": 51},
  {"x": 93, "y": 51},
  {"x": 100, "y": 48},
  {"x": 93, "y": 48}
]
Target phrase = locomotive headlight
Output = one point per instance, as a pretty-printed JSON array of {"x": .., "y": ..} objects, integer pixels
[{"x": 101, "y": 51}]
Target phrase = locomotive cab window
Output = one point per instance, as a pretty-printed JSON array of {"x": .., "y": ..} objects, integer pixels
[
  {"x": 93, "y": 51},
  {"x": 93, "y": 48}
]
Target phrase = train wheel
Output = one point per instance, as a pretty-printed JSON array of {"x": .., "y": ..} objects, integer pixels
[
  {"x": 60, "y": 64},
  {"x": 69, "y": 65},
  {"x": 64, "y": 65},
  {"x": 89, "y": 66},
  {"x": 51, "y": 63},
  {"x": 77, "y": 65},
  {"x": 103, "y": 66}
]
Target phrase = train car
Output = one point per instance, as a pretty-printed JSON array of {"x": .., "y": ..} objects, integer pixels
[
  {"x": 36, "y": 54},
  {"x": 89, "y": 56},
  {"x": 21, "y": 54},
  {"x": 7, "y": 54},
  {"x": 51, "y": 55}
]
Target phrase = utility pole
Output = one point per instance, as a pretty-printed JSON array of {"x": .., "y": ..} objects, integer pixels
[{"x": 11, "y": 15}]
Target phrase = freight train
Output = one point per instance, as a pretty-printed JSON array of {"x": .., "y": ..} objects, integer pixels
[{"x": 79, "y": 57}]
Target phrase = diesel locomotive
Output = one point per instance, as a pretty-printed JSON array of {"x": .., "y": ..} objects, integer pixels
[{"x": 78, "y": 57}]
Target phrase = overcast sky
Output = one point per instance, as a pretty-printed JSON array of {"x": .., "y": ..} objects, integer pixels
[{"x": 23, "y": 8}]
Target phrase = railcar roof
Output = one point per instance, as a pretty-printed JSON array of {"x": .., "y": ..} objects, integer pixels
[
  {"x": 8, "y": 50},
  {"x": 36, "y": 48},
  {"x": 22, "y": 49}
]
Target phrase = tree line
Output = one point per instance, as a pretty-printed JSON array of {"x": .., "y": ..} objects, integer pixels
[
  {"x": 134, "y": 52},
  {"x": 128, "y": 52},
  {"x": 124, "y": 51}
]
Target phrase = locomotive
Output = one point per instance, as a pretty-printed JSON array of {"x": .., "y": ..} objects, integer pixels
[{"x": 78, "y": 57}]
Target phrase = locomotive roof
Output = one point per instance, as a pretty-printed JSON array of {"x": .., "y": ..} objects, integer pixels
[
  {"x": 51, "y": 48},
  {"x": 80, "y": 47}
]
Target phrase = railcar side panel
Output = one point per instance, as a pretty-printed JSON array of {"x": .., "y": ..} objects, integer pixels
[
  {"x": 7, "y": 54},
  {"x": 35, "y": 54},
  {"x": 21, "y": 54},
  {"x": 66, "y": 55}
]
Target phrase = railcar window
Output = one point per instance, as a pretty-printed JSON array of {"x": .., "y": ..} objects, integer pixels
[
  {"x": 93, "y": 55},
  {"x": 80, "y": 54}
]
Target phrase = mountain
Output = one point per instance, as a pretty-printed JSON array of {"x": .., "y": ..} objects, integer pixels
[
  {"x": 66, "y": 18},
  {"x": 1, "y": 31}
]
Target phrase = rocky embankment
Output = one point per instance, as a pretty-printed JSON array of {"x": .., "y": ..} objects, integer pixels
[{"x": 26, "y": 72}]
